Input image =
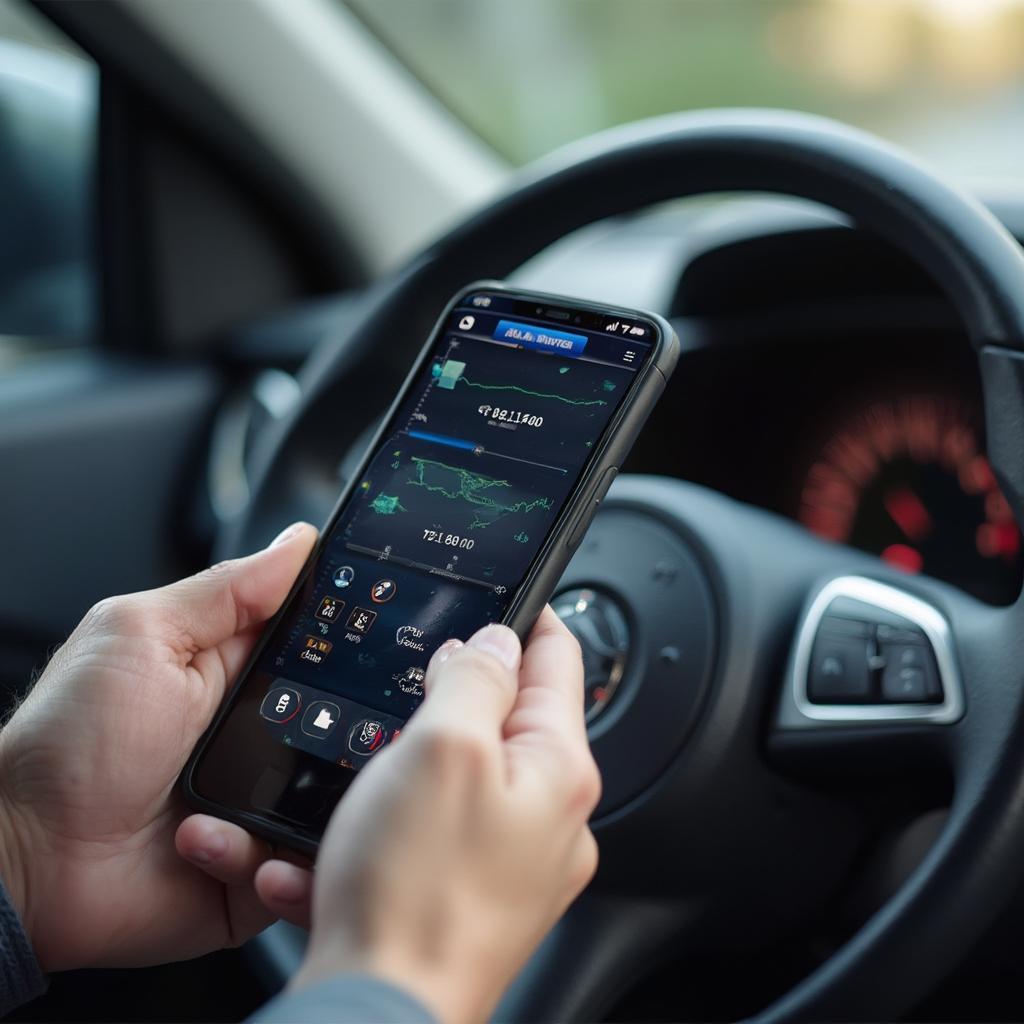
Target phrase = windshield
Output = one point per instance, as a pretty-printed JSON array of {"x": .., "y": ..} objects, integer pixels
[{"x": 944, "y": 77}]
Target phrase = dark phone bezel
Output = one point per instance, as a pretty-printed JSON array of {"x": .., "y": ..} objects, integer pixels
[{"x": 547, "y": 565}]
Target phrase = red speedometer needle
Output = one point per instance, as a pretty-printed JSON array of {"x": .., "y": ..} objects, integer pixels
[{"x": 908, "y": 513}]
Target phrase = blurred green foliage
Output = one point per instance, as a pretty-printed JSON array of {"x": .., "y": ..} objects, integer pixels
[{"x": 528, "y": 75}]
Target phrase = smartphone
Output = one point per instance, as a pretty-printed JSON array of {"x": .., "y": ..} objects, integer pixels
[{"x": 465, "y": 510}]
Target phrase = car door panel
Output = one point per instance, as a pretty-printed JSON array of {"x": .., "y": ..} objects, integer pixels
[{"x": 99, "y": 458}]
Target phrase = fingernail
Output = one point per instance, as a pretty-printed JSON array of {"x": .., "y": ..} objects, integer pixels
[
  {"x": 499, "y": 641},
  {"x": 213, "y": 848},
  {"x": 286, "y": 534},
  {"x": 446, "y": 650}
]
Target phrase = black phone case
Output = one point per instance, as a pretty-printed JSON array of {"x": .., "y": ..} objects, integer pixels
[{"x": 551, "y": 560}]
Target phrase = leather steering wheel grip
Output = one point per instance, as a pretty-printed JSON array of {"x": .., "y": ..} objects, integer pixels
[{"x": 878, "y": 186}]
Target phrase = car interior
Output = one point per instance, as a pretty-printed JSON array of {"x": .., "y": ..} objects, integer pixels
[{"x": 227, "y": 229}]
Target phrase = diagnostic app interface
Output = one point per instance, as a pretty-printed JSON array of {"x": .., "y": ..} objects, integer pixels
[{"x": 446, "y": 521}]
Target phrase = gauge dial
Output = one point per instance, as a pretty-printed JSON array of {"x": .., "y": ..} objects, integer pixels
[{"x": 906, "y": 479}]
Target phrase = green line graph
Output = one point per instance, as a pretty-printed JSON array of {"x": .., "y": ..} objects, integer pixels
[
  {"x": 451, "y": 372},
  {"x": 473, "y": 488},
  {"x": 533, "y": 394}
]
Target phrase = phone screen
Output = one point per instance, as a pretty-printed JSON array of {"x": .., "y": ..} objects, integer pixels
[{"x": 470, "y": 475}]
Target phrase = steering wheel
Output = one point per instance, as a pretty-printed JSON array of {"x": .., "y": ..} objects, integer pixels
[{"x": 718, "y": 742}]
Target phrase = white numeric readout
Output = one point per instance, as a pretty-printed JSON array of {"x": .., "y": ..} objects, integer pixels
[{"x": 493, "y": 412}]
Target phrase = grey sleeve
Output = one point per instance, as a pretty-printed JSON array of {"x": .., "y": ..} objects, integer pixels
[
  {"x": 20, "y": 976},
  {"x": 345, "y": 999}
]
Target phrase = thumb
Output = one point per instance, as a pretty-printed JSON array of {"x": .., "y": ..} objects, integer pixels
[
  {"x": 473, "y": 686},
  {"x": 231, "y": 596}
]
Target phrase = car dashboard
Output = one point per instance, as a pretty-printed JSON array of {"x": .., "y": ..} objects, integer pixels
[{"x": 823, "y": 378}]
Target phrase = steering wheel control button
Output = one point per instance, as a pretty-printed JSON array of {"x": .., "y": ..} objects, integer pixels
[
  {"x": 867, "y": 651},
  {"x": 843, "y": 626},
  {"x": 320, "y": 719},
  {"x": 599, "y": 624},
  {"x": 904, "y": 685},
  {"x": 664, "y": 572},
  {"x": 887, "y": 632},
  {"x": 857, "y": 661},
  {"x": 330, "y": 610},
  {"x": 909, "y": 674},
  {"x": 669, "y": 656},
  {"x": 280, "y": 705},
  {"x": 840, "y": 670}
]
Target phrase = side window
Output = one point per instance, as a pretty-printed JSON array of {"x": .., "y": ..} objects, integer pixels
[{"x": 48, "y": 126}]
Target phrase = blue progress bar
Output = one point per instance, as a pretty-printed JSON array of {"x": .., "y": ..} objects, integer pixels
[{"x": 451, "y": 442}]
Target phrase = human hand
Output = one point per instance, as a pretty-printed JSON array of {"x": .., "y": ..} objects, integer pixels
[
  {"x": 89, "y": 766},
  {"x": 458, "y": 847}
]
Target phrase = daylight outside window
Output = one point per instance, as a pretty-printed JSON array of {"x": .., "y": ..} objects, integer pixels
[
  {"x": 945, "y": 77},
  {"x": 48, "y": 117}
]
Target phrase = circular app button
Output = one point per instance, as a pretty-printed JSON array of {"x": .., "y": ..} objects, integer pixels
[
  {"x": 382, "y": 591},
  {"x": 366, "y": 737},
  {"x": 320, "y": 719},
  {"x": 281, "y": 704},
  {"x": 344, "y": 576}
]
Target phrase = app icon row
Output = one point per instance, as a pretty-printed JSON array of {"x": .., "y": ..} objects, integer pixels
[
  {"x": 320, "y": 718},
  {"x": 380, "y": 593},
  {"x": 330, "y": 611}
]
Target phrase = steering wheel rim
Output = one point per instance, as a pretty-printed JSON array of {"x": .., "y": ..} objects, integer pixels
[{"x": 957, "y": 888}]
